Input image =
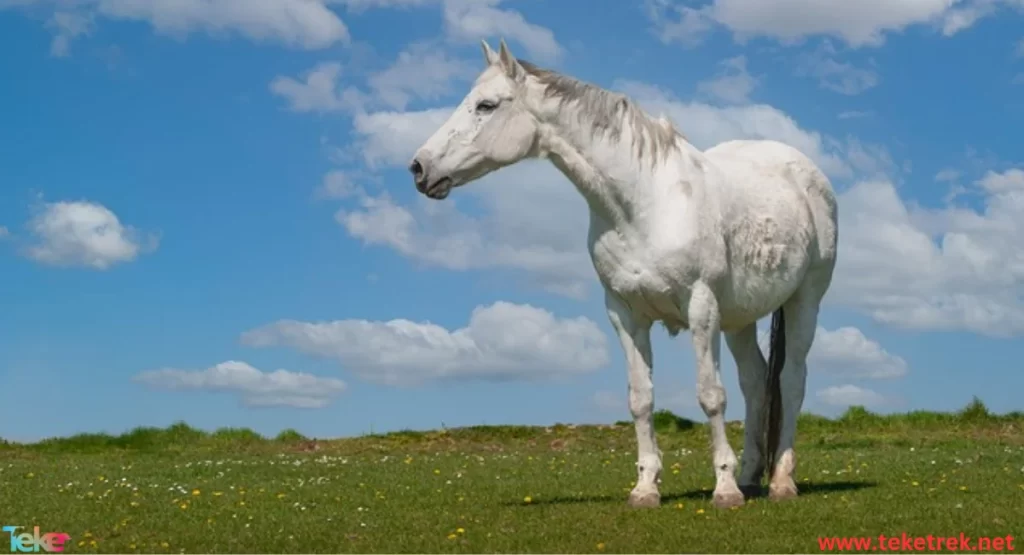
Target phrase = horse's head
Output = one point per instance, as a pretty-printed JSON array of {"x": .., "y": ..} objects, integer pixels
[{"x": 491, "y": 128}]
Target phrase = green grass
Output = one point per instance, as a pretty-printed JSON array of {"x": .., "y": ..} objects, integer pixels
[{"x": 465, "y": 490}]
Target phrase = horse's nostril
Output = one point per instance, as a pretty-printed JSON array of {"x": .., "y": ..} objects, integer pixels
[{"x": 416, "y": 168}]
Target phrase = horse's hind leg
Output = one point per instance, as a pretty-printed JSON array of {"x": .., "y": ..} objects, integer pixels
[
  {"x": 801, "y": 320},
  {"x": 752, "y": 373},
  {"x": 635, "y": 336}
]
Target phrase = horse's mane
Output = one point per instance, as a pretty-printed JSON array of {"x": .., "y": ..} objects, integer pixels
[{"x": 608, "y": 112}]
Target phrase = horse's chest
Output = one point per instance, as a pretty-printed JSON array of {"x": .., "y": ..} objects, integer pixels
[{"x": 652, "y": 281}]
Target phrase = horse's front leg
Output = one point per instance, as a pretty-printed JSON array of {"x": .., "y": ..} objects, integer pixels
[
  {"x": 635, "y": 335},
  {"x": 705, "y": 323}
]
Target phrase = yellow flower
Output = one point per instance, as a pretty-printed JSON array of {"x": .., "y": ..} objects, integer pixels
[
  {"x": 280, "y": 496},
  {"x": 460, "y": 531},
  {"x": 700, "y": 511},
  {"x": 241, "y": 503},
  {"x": 527, "y": 499},
  {"x": 195, "y": 492},
  {"x": 134, "y": 503},
  {"x": 679, "y": 505},
  {"x": 452, "y": 536},
  {"x": 218, "y": 493},
  {"x": 963, "y": 488},
  {"x": 183, "y": 506},
  {"x": 436, "y": 471},
  {"x": 914, "y": 483},
  {"x": 600, "y": 546}
]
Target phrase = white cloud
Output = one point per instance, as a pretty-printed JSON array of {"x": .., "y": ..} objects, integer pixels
[
  {"x": 847, "y": 352},
  {"x": 280, "y": 388},
  {"x": 733, "y": 84},
  {"x": 503, "y": 341},
  {"x": 468, "y": 21},
  {"x": 391, "y": 137},
  {"x": 4, "y": 232},
  {"x": 841, "y": 77},
  {"x": 307, "y": 24},
  {"x": 85, "y": 234},
  {"x": 421, "y": 71},
  {"x": 850, "y": 395},
  {"x": 473, "y": 20},
  {"x": 317, "y": 91},
  {"x": 67, "y": 26},
  {"x": 338, "y": 184},
  {"x": 950, "y": 268},
  {"x": 947, "y": 174},
  {"x": 858, "y": 24}
]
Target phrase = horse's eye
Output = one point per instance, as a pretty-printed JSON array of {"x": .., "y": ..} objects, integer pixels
[{"x": 486, "y": 106}]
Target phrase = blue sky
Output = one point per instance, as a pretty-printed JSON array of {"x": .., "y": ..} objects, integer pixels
[{"x": 204, "y": 214}]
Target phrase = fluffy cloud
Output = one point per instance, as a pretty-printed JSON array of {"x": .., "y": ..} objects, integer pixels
[
  {"x": 421, "y": 71},
  {"x": 733, "y": 84},
  {"x": 858, "y": 24},
  {"x": 950, "y": 268},
  {"x": 280, "y": 388},
  {"x": 308, "y": 24},
  {"x": 469, "y": 21},
  {"x": 83, "y": 234},
  {"x": 850, "y": 395},
  {"x": 841, "y": 77},
  {"x": 503, "y": 341},
  {"x": 848, "y": 353}
]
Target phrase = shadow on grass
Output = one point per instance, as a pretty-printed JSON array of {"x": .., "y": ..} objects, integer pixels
[{"x": 806, "y": 489}]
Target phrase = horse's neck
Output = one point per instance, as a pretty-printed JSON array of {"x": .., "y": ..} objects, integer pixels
[{"x": 618, "y": 186}]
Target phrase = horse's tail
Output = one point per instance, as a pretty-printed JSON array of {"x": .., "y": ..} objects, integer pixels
[{"x": 773, "y": 393}]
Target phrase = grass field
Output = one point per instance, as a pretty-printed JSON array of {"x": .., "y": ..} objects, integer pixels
[{"x": 511, "y": 489}]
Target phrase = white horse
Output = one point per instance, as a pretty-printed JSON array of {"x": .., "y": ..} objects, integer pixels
[{"x": 707, "y": 241}]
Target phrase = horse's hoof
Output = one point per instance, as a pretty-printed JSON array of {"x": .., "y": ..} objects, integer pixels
[
  {"x": 783, "y": 492},
  {"x": 728, "y": 500},
  {"x": 646, "y": 500}
]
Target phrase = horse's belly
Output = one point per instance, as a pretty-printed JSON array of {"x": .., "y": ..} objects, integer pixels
[{"x": 764, "y": 274}]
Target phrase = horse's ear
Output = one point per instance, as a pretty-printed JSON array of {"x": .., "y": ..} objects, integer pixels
[
  {"x": 509, "y": 62},
  {"x": 490, "y": 56}
]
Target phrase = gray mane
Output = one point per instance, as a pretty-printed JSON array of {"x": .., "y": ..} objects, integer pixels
[{"x": 606, "y": 112}]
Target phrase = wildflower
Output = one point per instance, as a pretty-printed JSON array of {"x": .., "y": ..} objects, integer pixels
[
  {"x": 914, "y": 483},
  {"x": 195, "y": 492},
  {"x": 963, "y": 488},
  {"x": 460, "y": 531},
  {"x": 600, "y": 546},
  {"x": 218, "y": 493},
  {"x": 679, "y": 505},
  {"x": 134, "y": 503},
  {"x": 700, "y": 511},
  {"x": 452, "y": 536},
  {"x": 183, "y": 506},
  {"x": 527, "y": 499},
  {"x": 436, "y": 471},
  {"x": 280, "y": 496}
]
